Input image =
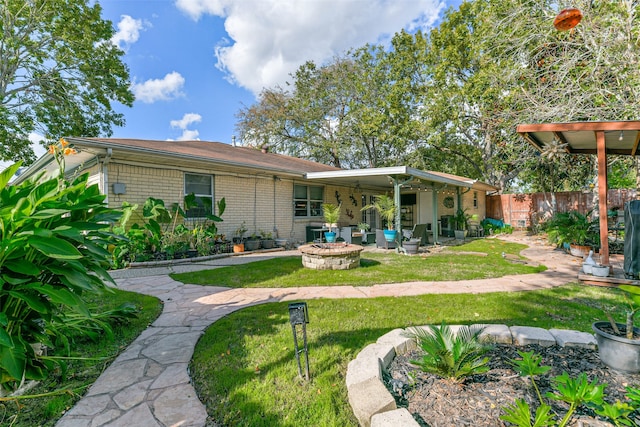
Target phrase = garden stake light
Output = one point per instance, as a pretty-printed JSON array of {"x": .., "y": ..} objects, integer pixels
[{"x": 298, "y": 315}]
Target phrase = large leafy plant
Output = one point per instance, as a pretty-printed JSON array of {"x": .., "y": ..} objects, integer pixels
[
  {"x": 386, "y": 207},
  {"x": 53, "y": 239}
]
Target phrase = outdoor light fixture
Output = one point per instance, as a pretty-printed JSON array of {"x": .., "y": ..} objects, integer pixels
[
  {"x": 621, "y": 137},
  {"x": 298, "y": 315}
]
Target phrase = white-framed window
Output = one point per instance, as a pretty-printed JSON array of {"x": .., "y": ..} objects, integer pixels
[
  {"x": 201, "y": 186},
  {"x": 307, "y": 200}
]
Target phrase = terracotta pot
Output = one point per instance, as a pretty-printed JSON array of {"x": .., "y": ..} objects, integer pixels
[
  {"x": 579, "y": 250},
  {"x": 238, "y": 247}
]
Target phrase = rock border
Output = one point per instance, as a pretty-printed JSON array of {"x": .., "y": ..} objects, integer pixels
[{"x": 374, "y": 406}]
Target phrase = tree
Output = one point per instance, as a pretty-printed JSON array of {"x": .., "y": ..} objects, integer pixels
[
  {"x": 588, "y": 73},
  {"x": 495, "y": 64},
  {"x": 356, "y": 111},
  {"x": 59, "y": 73}
]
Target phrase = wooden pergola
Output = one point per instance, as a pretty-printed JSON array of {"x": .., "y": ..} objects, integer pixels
[{"x": 600, "y": 138}]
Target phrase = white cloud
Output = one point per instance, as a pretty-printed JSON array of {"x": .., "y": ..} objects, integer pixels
[
  {"x": 167, "y": 88},
  {"x": 188, "y": 135},
  {"x": 38, "y": 149},
  {"x": 270, "y": 39},
  {"x": 183, "y": 123},
  {"x": 128, "y": 31},
  {"x": 186, "y": 120}
]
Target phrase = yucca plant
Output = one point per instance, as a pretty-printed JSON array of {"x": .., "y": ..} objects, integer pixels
[{"x": 452, "y": 355}]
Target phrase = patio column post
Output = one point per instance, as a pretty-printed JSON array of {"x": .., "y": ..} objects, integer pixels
[
  {"x": 602, "y": 197},
  {"x": 434, "y": 224},
  {"x": 396, "y": 200}
]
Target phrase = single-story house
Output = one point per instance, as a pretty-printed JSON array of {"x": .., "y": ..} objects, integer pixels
[{"x": 267, "y": 191}]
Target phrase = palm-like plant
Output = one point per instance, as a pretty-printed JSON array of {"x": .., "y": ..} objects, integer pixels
[
  {"x": 386, "y": 207},
  {"x": 331, "y": 214},
  {"x": 451, "y": 355}
]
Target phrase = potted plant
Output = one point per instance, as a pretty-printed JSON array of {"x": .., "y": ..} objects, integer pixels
[
  {"x": 411, "y": 245},
  {"x": 386, "y": 208},
  {"x": 331, "y": 215},
  {"x": 461, "y": 223},
  {"x": 619, "y": 344},
  {"x": 574, "y": 229},
  {"x": 363, "y": 227},
  {"x": 252, "y": 243},
  {"x": 267, "y": 240},
  {"x": 238, "y": 241}
]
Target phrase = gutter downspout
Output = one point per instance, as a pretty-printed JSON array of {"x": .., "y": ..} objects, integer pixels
[{"x": 105, "y": 175}]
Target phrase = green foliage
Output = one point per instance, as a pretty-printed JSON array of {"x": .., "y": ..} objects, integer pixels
[
  {"x": 576, "y": 392},
  {"x": 356, "y": 111},
  {"x": 519, "y": 414},
  {"x": 159, "y": 231},
  {"x": 572, "y": 227},
  {"x": 54, "y": 235},
  {"x": 331, "y": 213},
  {"x": 386, "y": 207},
  {"x": 53, "y": 396},
  {"x": 632, "y": 297},
  {"x": 451, "y": 355},
  {"x": 461, "y": 219},
  {"x": 62, "y": 73},
  {"x": 529, "y": 366}
]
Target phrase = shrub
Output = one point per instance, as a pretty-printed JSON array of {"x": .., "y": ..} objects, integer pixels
[
  {"x": 53, "y": 239},
  {"x": 451, "y": 355}
]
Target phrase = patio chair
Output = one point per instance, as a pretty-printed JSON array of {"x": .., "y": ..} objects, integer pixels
[
  {"x": 420, "y": 232},
  {"x": 381, "y": 242},
  {"x": 476, "y": 229}
]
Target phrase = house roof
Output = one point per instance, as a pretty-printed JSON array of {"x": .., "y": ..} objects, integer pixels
[
  {"x": 231, "y": 158},
  {"x": 224, "y": 156},
  {"x": 214, "y": 152}
]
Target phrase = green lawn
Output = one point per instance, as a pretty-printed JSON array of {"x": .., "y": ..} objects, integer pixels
[
  {"x": 244, "y": 367},
  {"x": 375, "y": 268},
  {"x": 45, "y": 411}
]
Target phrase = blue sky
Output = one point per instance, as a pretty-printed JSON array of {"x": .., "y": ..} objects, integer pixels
[{"x": 195, "y": 63}]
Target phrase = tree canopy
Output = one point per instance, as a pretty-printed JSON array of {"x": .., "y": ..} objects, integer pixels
[
  {"x": 59, "y": 73},
  {"x": 450, "y": 99}
]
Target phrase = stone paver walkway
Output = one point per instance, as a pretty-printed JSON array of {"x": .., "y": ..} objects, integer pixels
[{"x": 148, "y": 385}]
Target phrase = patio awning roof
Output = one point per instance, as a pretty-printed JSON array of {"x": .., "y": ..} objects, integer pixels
[
  {"x": 599, "y": 138},
  {"x": 380, "y": 178},
  {"x": 620, "y": 137}
]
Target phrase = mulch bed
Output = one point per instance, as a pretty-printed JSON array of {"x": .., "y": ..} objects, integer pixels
[{"x": 478, "y": 402}]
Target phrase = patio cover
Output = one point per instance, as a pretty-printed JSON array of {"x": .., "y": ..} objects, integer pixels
[
  {"x": 394, "y": 178},
  {"x": 600, "y": 138}
]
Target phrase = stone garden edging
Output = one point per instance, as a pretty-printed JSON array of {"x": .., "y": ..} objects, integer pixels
[{"x": 374, "y": 406}]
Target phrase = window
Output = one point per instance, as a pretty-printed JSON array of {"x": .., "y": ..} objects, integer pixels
[
  {"x": 307, "y": 200},
  {"x": 475, "y": 200},
  {"x": 200, "y": 186}
]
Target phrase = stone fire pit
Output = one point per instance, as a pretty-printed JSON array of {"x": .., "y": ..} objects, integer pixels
[{"x": 331, "y": 256}]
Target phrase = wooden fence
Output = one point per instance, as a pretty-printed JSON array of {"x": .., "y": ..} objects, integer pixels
[{"x": 523, "y": 210}]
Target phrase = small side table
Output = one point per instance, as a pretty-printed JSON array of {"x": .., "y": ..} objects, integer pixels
[
  {"x": 317, "y": 238},
  {"x": 369, "y": 237}
]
